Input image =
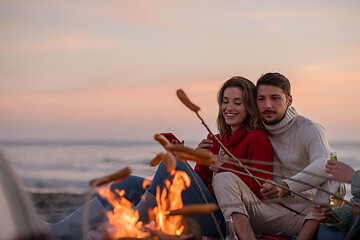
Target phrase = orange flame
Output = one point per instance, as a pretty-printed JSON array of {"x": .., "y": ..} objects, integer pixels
[
  {"x": 170, "y": 199},
  {"x": 146, "y": 183},
  {"x": 124, "y": 221}
]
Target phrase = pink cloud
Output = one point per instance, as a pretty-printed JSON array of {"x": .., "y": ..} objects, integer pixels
[
  {"x": 137, "y": 111},
  {"x": 128, "y": 104}
]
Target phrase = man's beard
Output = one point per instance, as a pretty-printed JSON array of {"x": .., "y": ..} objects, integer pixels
[{"x": 274, "y": 121}]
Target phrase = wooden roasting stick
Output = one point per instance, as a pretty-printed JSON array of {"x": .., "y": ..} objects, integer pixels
[
  {"x": 288, "y": 167},
  {"x": 195, "y": 209},
  {"x": 292, "y": 179},
  {"x": 296, "y": 193},
  {"x": 120, "y": 175}
]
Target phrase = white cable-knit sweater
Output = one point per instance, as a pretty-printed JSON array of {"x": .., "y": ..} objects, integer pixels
[{"x": 301, "y": 143}]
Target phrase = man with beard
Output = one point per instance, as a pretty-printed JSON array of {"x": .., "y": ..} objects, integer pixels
[{"x": 298, "y": 143}]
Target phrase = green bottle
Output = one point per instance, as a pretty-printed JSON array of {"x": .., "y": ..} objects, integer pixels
[
  {"x": 333, "y": 156},
  {"x": 341, "y": 190}
]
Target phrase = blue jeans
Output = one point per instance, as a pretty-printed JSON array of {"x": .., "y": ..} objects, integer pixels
[
  {"x": 132, "y": 186},
  {"x": 326, "y": 233},
  {"x": 133, "y": 192}
]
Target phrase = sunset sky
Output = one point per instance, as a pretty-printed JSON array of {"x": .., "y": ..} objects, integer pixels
[{"x": 110, "y": 69}]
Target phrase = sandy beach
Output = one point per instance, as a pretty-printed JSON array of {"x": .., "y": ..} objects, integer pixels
[{"x": 53, "y": 207}]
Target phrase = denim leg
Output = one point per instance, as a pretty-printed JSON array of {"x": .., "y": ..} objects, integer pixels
[
  {"x": 133, "y": 186},
  {"x": 325, "y": 233},
  {"x": 191, "y": 195}
]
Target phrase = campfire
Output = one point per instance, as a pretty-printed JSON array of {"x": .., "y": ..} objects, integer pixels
[
  {"x": 170, "y": 199},
  {"x": 167, "y": 219},
  {"x": 123, "y": 220}
]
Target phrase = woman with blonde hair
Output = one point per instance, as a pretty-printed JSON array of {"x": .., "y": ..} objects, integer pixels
[{"x": 241, "y": 131}]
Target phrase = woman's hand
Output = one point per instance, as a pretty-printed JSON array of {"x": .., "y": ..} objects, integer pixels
[
  {"x": 340, "y": 170},
  {"x": 205, "y": 144},
  {"x": 323, "y": 214},
  {"x": 176, "y": 142}
]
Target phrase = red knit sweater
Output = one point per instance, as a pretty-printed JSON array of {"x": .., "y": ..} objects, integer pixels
[{"x": 254, "y": 145}]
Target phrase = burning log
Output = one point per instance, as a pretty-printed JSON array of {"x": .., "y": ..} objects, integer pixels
[
  {"x": 192, "y": 226},
  {"x": 192, "y": 231},
  {"x": 160, "y": 235},
  {"x": 128, "y": 238}
]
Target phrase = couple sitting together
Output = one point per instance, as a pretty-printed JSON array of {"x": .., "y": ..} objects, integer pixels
[{"x": 256, "y": 123}]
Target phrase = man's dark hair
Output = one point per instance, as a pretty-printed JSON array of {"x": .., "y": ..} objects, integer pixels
[{"x": 275, "y": 79}]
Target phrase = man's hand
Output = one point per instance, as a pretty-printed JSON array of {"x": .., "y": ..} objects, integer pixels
[
  {"x": 271, "y": 191},
  {"x": 323, "y": 214},
  {"x": 340, "y": 170}
]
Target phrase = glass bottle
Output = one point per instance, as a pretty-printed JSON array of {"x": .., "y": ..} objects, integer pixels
[
  {"x": 341, "y": 190},
  {"x": 230, "y": 230}
]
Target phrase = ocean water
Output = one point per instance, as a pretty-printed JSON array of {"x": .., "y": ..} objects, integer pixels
[{"x": 68, "y": 166}]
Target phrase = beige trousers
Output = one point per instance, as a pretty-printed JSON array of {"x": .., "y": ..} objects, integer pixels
[{"x": 234, "y": 196}]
